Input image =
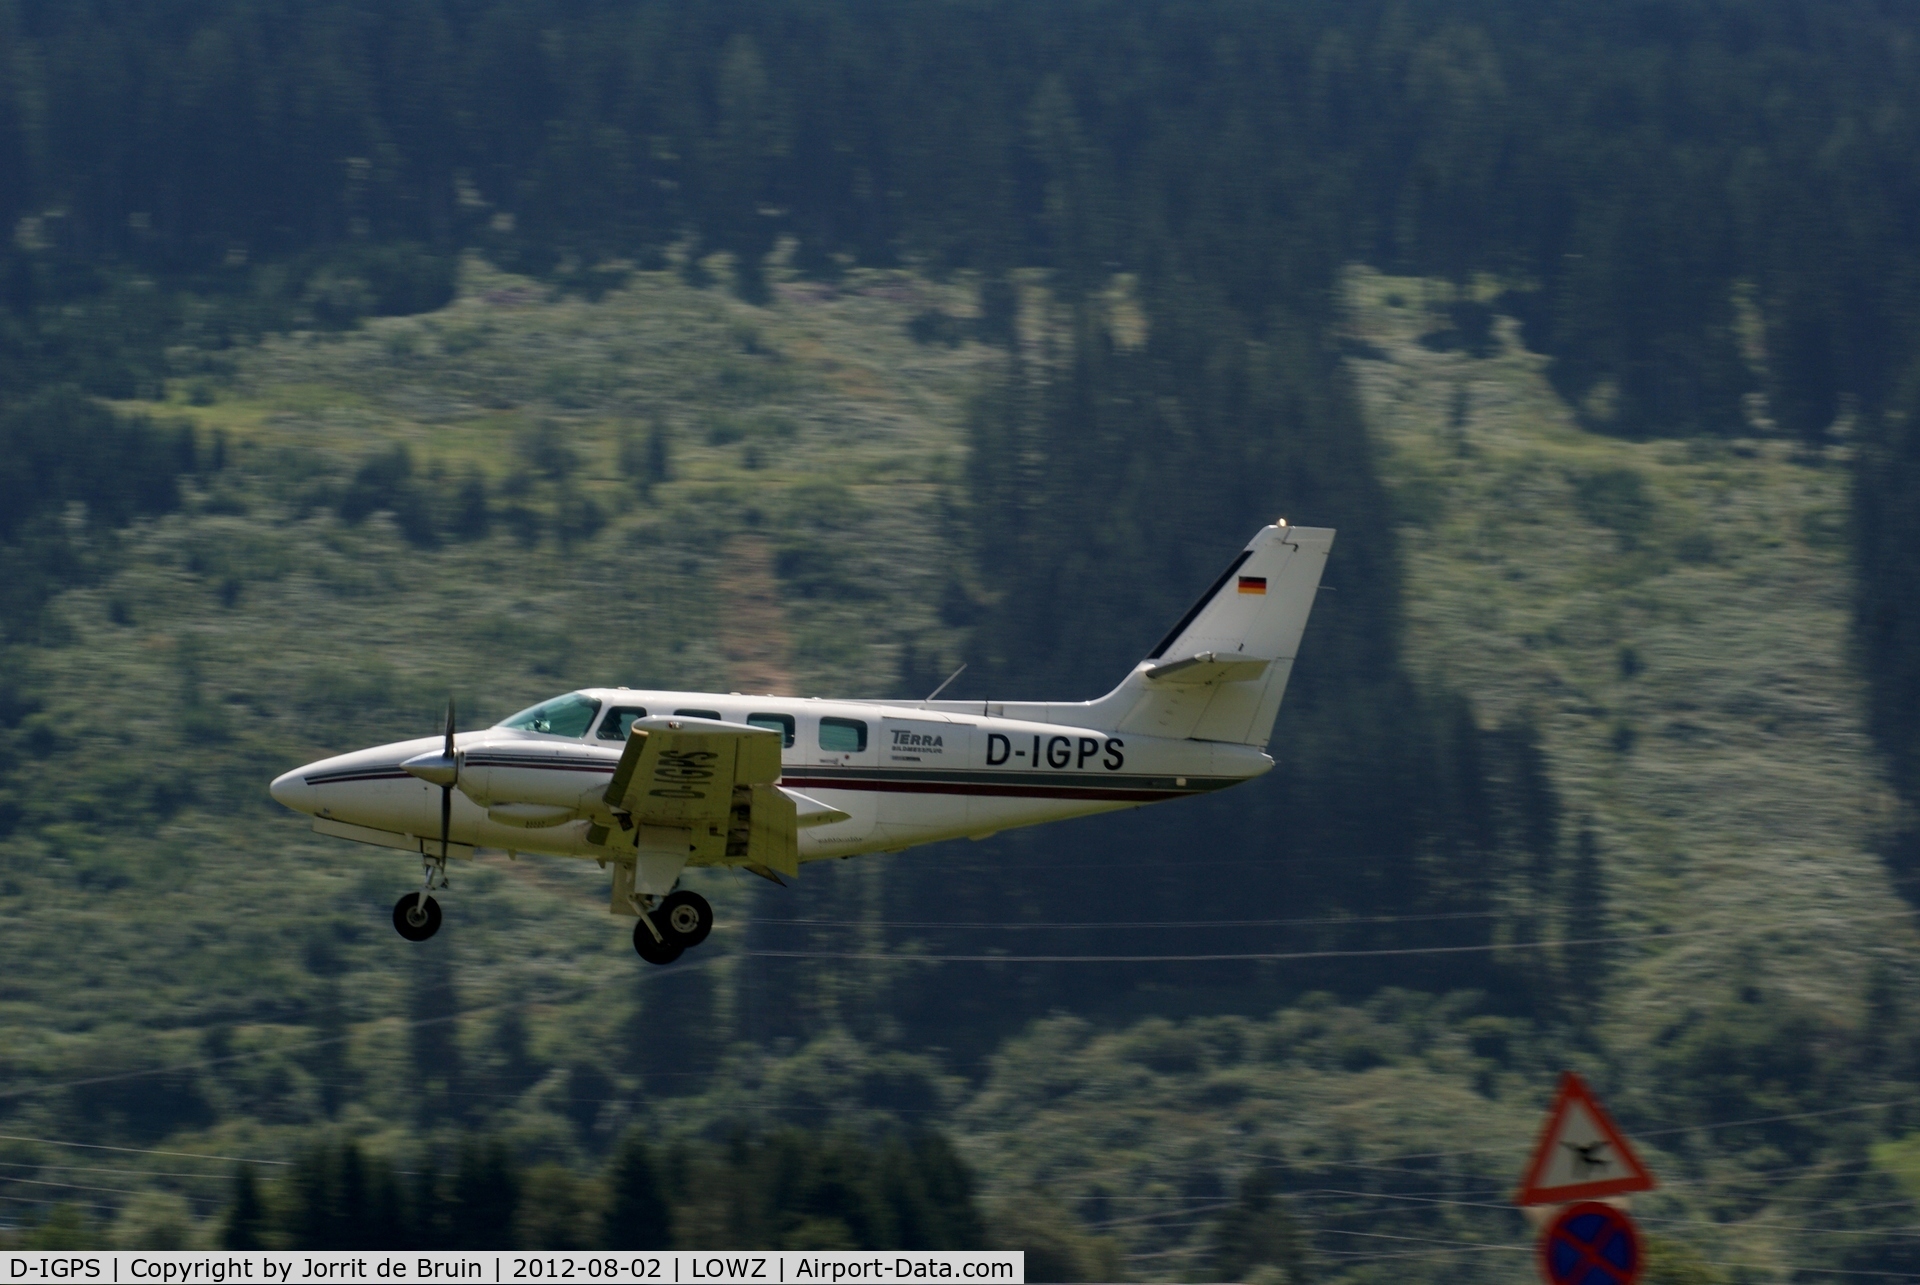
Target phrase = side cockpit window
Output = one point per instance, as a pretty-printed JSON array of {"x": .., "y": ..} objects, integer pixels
[
  {"x": 781, "y": 723},
  {"x": 569, "y": 715},
  {"x": 619, "y": 722},
  {"x": 843, "y": 735}
]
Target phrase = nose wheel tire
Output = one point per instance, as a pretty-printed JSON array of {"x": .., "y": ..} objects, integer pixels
[
  {"x": 416, "y": 916},
  {"x": 685, "y": 917},
  {"x": 655, "y": 952}
]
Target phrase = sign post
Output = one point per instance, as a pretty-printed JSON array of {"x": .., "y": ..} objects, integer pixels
[{"x": 1581, "y": 1160}]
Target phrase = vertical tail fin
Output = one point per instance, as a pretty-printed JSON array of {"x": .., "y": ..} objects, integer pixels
[{"x": 1220, "y": 673}]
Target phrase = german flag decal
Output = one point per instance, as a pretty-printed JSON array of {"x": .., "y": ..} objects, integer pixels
[{"x": 1253, "y": 584}]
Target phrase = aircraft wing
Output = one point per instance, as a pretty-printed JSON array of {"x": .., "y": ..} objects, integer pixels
[{"x": 714, "y": 783}]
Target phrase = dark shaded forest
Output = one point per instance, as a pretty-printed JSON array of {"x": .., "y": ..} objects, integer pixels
[
  {"x": 183, "y": 176},
  {"x": 789, "y": 1190},
  {"x": 1703, "y": 212},
  {"x": 1625, "y": 169}
]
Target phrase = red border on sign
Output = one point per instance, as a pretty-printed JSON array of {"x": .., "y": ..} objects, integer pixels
[
  {"x": 1637, "y": 1178},
  {"x": 1619, "y": 1221}
]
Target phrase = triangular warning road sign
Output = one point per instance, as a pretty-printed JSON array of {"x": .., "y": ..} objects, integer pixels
[{"x": 1582, "y": 1155}]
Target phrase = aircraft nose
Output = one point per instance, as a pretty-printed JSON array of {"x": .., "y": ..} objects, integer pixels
[{"x": 291, "y": 790}]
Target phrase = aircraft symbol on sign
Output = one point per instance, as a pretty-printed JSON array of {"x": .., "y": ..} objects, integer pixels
[{"x": 1587, "y": 1155}]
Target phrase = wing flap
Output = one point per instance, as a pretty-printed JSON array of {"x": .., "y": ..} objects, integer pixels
[{"x": 773, "y": 832}]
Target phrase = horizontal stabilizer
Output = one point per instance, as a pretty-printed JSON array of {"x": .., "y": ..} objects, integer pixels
[{"x": 1208, "y": 667}]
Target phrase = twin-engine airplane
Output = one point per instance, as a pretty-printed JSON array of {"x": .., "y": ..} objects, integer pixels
[{"x": 653, "y": 782}]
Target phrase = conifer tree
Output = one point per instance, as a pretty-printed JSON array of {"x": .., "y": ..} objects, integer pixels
[
  {"x": 245, "y": 1225},
  {"x": 929, "y": 1194},
  {"x": 429, "y": 1209},
  {"x": 1258, "y": 1231},
  {"x": 637, "y": 1215},
  {"x": 659, "y": 450},
  {"x": 311, "y": 1222},
  {"x": 432, "y": 1005},
  {"x": 486, "y": 1194},
  {"x": 472, "y": 518},
  {"x": 516, "y": 1068},
  {"x": 387, "y": 1220},
  {"x": 1586, "y": 919}
]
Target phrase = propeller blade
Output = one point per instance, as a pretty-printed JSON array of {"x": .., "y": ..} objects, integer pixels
[{"x": 449, "y": 726}]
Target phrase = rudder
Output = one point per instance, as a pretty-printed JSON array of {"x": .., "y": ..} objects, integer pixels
[{"x": 1220, "y": 673}]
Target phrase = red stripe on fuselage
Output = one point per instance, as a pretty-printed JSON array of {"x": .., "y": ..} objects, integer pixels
[
  {"x": 362, "y": 776},
  {"x": 607, "y": 768},
  {"x": 995, "y": 790}
]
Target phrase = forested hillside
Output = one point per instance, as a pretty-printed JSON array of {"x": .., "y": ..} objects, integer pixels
[
  {"x": 1702, "y": 211},
  {"x": 350, "y": 353}
]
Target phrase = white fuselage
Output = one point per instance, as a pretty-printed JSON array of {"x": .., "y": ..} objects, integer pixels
[{"x": 904, "y": 773}]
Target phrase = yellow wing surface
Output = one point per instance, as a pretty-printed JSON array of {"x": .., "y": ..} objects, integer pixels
[{"x": 712, "y": 781}]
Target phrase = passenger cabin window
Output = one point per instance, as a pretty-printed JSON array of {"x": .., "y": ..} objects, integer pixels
[
  {"x": 843, "y": 735},
  {"x": 781, "y": 723},
  {"x": 699, "y": 713},
  {"x": 569, "y": 715},
  {"x": 619, "y": 722}
]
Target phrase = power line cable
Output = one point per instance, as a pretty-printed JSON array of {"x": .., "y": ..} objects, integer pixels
[
  {"x": 132, "y": 1173},
  {"x": 1424, "y": 1240},
  {"x": 1849, "y": 1271},
  {"x": 71, "y": 1186},
  {"x": 1740, "y": 1225},
  {"x": 1332, "y": 922},
  {"x": 908, "y": 957},
  {"x": 83, "y": 1204},
  {"x": 142, "y": 1151}
]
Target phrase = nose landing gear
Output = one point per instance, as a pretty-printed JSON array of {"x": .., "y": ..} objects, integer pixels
[{"x": 416, "y": 916}]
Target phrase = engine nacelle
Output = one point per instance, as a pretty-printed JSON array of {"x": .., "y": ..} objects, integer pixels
[{"x": 520, "y": 778}]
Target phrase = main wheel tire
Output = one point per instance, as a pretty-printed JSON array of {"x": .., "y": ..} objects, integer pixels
[
  {"x": 655, "y": 952},
  {"x": 685, "y": 917},
  {"x": 416, "y": 917}
]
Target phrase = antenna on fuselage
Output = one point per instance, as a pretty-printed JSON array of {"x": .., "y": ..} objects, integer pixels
[{"x": 943, "y": 687}]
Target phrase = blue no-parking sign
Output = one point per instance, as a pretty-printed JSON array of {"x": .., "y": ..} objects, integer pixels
[{"x": 1591, "y": 1244}]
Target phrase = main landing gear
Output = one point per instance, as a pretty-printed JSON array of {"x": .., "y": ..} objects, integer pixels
[{"x": 680, "y": 922}]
